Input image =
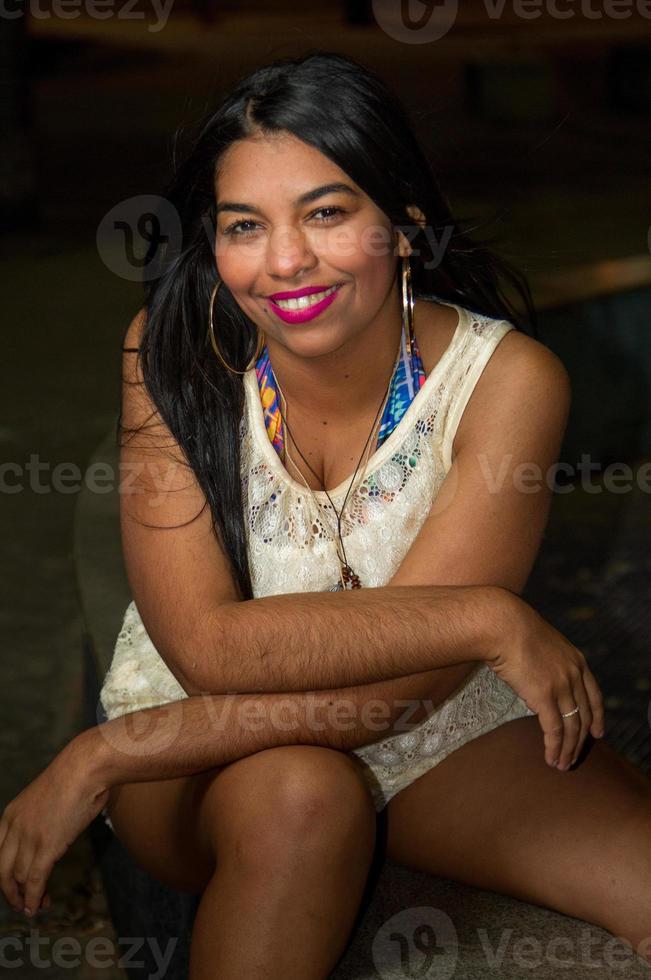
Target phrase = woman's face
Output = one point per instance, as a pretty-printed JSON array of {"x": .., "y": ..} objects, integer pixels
[{"x": 272, "y": 238}]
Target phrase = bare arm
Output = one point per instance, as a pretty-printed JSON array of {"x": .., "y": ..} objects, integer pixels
[
  {"x": 319, "y": 640},
  {"x": 207, "y": 730},
  {"x": 378, "y": 640},
  {"x": 215, "y": 642},
  {"x": 478, "y": 532},
  {"x": 485, "y": 530}
]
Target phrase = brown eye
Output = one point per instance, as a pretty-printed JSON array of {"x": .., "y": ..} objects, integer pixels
[
  {"x": 335, "y": 213},
  {"x": 237, "y": 228}
]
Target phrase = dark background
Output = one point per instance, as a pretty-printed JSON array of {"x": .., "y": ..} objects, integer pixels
[{"x": 540, "y": 132}]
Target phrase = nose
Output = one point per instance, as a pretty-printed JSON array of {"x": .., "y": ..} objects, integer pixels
[{"x": 288, "y": 253}]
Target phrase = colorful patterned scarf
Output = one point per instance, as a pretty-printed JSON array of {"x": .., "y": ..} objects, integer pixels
[{"x": 408, "y": 378}]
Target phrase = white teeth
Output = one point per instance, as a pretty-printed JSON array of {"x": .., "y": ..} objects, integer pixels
[{"x": 303, "y": 302}]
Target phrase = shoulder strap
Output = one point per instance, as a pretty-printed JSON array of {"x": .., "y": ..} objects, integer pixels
[{"x": 482, "y": 337}]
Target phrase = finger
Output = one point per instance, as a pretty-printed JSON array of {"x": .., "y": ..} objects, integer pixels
[
  {"x": 596, "y": 703},
  {"x": 8, "y": 884},
  {"x": 572, "y": 729},
  {"x": 552, "y": 726},
  {"x": 22, "y": 863},
  {"x": 585, "y": 714},
  {"x": 4, "y": 828},
  {"x": 36, "y": 883}
]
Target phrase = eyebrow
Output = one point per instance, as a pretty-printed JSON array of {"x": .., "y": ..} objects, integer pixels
[{"x": 305, "y": 198}]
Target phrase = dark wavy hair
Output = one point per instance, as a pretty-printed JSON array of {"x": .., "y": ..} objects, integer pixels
[{"x": 345, "y": 111}]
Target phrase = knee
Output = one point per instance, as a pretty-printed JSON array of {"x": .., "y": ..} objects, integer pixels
[{"x": 290, "y": 804}]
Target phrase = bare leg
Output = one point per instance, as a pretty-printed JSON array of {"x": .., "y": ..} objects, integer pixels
[
  {"x": 494, "y": 815},
  {"x": 278, "y": 844},
  {"x": 294, "y": 831}
]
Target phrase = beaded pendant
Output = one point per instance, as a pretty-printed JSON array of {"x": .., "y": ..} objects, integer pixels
[{"x": 351, "y": 579}]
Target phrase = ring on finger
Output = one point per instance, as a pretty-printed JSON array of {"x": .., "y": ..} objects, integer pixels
[{"x": 567, "y": 714}]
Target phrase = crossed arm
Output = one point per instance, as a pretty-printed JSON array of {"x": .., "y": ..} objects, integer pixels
[
  {"x": 479, "y": 533},
  {"x": 484, "y": 529}
]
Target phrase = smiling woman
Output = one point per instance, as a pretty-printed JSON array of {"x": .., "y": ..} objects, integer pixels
[{"x": 309, "y": 396}]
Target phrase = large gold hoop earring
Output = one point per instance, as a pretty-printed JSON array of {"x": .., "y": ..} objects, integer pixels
[
  {"x": 407, "y": 304},
  {"x": 211, "y": 332}
]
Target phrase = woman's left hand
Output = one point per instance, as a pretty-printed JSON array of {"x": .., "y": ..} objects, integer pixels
[{"x": 38, "y": 826}]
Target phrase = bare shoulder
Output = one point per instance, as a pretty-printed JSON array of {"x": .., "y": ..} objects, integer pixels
[
  {"x": 434, "y": 325},
  {"x": 138, "y": 410},
  {"x": 133, "y": 336},
  {"x": 522, "y": 361},
  {"x": 523, "y": 384}
]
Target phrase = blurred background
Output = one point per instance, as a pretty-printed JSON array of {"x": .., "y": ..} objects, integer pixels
[{"x": 539, "y": 127}]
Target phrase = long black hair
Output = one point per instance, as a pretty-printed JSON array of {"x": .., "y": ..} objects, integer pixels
[{"x": 345, "y": 111}]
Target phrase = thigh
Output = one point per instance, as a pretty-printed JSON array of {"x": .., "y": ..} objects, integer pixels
[
  {"x": 177, "y": 829},
  {"x": 494, "y": 815},
  {"x": 157, "y": 822}
]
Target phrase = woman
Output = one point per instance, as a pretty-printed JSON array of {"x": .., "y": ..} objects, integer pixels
[{"x": 326, "y": 527}]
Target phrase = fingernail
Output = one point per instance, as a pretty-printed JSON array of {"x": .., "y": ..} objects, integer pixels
[{"x": 27, "y": 911}]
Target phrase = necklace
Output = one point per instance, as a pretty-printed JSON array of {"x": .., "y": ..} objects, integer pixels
[{"x": 348, "y": 579}]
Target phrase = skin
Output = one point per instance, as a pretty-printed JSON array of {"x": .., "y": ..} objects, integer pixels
[
  {"x": 298, "y": 848},
  {"x": 333, "y": 370}
]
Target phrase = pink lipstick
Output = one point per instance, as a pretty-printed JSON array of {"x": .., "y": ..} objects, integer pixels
[{"x": 303, "y": 310}]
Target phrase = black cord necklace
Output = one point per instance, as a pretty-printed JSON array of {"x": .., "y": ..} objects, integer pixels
[{"x": 349, "y": 578}]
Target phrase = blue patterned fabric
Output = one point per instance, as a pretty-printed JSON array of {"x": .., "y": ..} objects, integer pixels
[{"x": 408, "y": 378}]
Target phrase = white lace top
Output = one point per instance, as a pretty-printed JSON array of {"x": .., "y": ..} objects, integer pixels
[{"x": 291, "y": 545}]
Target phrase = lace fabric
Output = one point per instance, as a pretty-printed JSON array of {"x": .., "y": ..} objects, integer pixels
[
  {"x": 482, "y": 702},
  {"x": 290, "y": 535},
  {"x": 291, "y": 548}
]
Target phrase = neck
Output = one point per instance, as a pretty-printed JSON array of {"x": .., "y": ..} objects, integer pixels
[{"x": 348, "y": 383}]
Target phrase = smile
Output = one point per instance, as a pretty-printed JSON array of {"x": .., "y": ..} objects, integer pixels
[{"x": 304, "y": 307}]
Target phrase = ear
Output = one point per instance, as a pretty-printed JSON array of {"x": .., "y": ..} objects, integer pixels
[{"x": 403, "y": 246}]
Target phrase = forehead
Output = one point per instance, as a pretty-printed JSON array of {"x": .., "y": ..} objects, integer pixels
[{"x": 280, "y": 163}]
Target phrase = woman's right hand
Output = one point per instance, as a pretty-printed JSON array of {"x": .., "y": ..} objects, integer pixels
[{"x": 551, "y": 675}]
